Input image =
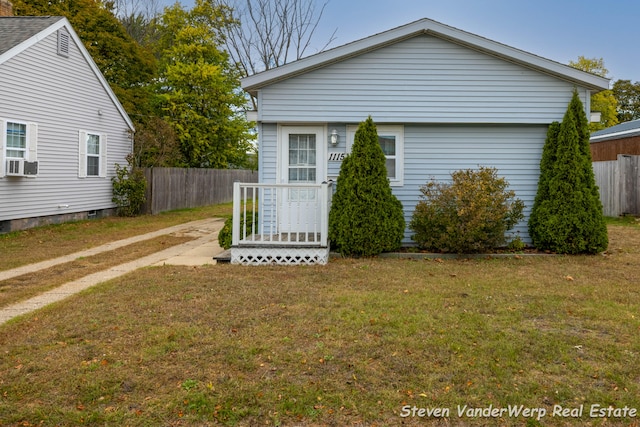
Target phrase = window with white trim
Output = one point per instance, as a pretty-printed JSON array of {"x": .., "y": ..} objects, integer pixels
[
  {"x": 16, "y": 137},
  {"x": 18, "y": 141},
  {"x": 391, "y": 140},
  {"x": 92, "y": 151}
]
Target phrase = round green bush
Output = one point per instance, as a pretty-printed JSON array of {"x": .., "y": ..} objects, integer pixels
[{"x": 470, "y": 214}]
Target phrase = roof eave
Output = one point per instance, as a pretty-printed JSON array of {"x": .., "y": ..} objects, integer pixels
[{"x": 592, "y": 82}]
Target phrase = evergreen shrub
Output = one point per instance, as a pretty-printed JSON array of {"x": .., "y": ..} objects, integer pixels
[
  {"x": 567, "y": 213},
  {"x": 470, "y": 214},
  {"x": 225, "y": 235},
  {"x": 366, "y": 219}
]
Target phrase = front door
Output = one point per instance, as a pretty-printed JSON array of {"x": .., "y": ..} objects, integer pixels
[{"x": 302, "y": 161}]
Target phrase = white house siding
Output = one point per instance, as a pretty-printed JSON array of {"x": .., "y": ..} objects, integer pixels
[
  {"x": 63, "y": 96},
  {"x": 420, "y": 80}
]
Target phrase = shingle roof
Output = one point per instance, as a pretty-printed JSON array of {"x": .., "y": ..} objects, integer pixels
[
  {"x": 623, "y": 130},
  {"x": 17, "y": 29}
]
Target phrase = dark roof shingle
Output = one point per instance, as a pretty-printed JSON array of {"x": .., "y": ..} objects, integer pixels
[{"x": 17, "y": 29}]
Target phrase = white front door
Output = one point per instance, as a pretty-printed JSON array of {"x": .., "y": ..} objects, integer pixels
[{"x": 302, "y": 158}]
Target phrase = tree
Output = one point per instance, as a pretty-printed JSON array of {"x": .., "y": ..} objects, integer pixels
[
  {"x": 628, "y": 96},
  {"x": 270, "y": 33},
  {"x": 156, "y": 145},
  {"x": 604, "y": 102},
  {"x": 198, "y": 88},
  {"x": 365, "y": 218},
  {"x": 567, "y": 212}
]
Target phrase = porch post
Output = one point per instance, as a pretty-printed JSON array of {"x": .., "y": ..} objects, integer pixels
[
  {"x": 324, "y": 213},
  {"x": 235, "y": 229}
]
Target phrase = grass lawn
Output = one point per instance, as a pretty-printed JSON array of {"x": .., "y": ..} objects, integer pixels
[{"x": 356, "y": 342}]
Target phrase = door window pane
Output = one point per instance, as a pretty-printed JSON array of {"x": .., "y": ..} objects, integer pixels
[{"x": 302, "y": 157}]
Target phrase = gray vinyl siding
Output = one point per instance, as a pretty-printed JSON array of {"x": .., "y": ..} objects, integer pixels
[
  {"x": 434, "y": 151},
  {"x": 62, "y": 96},
  {"x": 268, "y": 148},
  {"x": 420, "y": 80}
]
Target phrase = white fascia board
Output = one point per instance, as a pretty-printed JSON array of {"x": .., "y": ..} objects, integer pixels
[
  {"x": 31, "y": 40},
  {"x": 615, "y": 135},
  {"x": 425, "y": 26}
]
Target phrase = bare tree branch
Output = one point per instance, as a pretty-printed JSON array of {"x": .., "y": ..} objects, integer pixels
[{"x": 271, "y": 33}]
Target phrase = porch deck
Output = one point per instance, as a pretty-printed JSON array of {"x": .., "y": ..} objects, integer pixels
[{"x": 283, "y": 224}]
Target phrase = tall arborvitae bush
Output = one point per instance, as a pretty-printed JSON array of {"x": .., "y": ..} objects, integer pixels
[
  {"x": 567, "y": 213},
  {"x": 366, "y": 219}
]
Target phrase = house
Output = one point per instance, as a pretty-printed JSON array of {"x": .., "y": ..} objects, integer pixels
[
  {"x": 62, "y": 129},
  {"x": 624, "y": 138},
  {"x": 443, "y": 100},
  {"x": 615, "y": 152}
]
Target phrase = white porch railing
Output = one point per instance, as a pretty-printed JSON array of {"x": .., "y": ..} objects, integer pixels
[{"x": 291, "y": 215}]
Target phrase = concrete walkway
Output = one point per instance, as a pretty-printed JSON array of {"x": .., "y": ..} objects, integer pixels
[{"x": 197, "y": 252}]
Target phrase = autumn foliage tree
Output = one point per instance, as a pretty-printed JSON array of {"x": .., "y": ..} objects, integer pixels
[
  {"x": 198, "y": 88},
  {"x": 604, "y": 101},
  {"x": 366, "y": 219},
  {"x": 567, "y": 213}
]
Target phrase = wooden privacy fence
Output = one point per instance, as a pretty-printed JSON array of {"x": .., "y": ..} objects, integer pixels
[
  {"x": 618, "y": 181},
  {"x": 178, "y": 188}
]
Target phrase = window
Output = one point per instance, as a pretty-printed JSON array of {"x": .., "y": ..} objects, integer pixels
[
  {"x": 302, "y": 158},
  {"x": 92, "y": 155},
  {"x": 18, "y": 141},
  {"x": 391, "y": 140}
]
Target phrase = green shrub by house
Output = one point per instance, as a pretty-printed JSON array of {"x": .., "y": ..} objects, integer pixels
[
  {"x": 129, "y": 189},
  {"x": 567, "y": 213},
  {"x": 366, "y": 219},
  {"x": 470, "y": 214},
  {"x": 225, "y": 235}
]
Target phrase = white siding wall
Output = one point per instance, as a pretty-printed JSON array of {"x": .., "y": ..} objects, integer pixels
[
  {"x": 63, "y": 96},
  {"x": 420, "y": 80}
]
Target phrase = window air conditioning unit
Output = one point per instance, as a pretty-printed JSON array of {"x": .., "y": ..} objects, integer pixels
[
  {"x": 20, "y": 167},
  {"x": 15, "y": 167},
  {"x": 30, "y": 168}
]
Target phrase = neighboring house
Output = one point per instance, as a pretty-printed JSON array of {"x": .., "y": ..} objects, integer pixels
[
  {"x": 615, "y": 152},
  {"x": 443, "y": 100},
  {"x": 62, "y": 129},
  {"x": 624, "y": 138}
]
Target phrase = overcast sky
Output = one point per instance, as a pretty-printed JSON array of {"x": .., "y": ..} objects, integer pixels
[{"x": 560, "y": 30}]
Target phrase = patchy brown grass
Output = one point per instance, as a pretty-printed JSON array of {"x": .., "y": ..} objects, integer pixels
[
  {"x": 350, "y": 343},
  {"x": 42, "y": 243},
  {"x": 28, "y": 285}
]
